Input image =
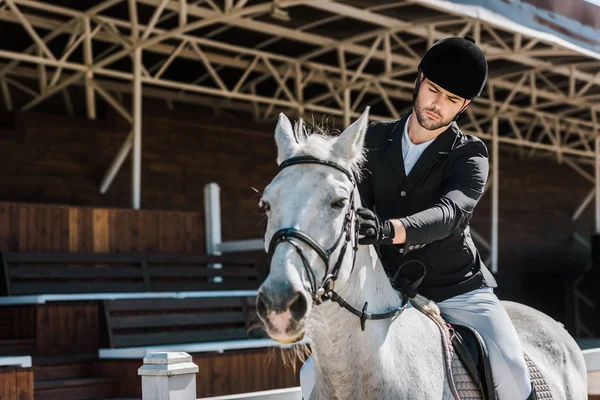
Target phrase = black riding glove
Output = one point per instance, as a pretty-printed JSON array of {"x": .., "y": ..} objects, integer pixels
[{"x": 374, "y": 230}]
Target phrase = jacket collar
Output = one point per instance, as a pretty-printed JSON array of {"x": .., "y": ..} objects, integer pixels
[{"x": 440, "y": 147}]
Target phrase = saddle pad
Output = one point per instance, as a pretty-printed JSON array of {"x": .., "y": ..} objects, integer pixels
[
  {"x": 539, "y": 382},
  {"x": 466, "y": 387}
]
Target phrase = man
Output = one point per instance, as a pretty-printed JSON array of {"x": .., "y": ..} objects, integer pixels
[{"x": 423, "y": 179}]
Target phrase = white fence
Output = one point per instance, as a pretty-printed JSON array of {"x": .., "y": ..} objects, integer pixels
[{"x": 172, "y": 376}]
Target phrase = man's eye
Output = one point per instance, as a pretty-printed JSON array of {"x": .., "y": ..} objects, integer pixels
[{"x": 340, "y": 203}]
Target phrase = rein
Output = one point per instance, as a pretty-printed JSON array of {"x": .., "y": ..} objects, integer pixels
[{"x": 325, "y": 290}]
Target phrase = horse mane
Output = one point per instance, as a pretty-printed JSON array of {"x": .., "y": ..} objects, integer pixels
[{"x": 318, "y": 139}]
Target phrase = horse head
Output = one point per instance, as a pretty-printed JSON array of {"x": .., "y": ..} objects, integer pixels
[{"x": 310, "y": 235}]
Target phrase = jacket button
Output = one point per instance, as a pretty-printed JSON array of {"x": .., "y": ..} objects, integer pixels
[
  {"x": 403, "y": 193},
  {"x": 401, "y": 250},
  {"x": 411, "y": 247},
  {"x": 417, "y": 246}
]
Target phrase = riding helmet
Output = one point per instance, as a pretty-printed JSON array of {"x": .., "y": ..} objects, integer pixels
[{"x": 456, "y": 64}]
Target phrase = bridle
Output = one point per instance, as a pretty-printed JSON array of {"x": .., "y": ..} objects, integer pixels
[{"x": 325, "y": 290}]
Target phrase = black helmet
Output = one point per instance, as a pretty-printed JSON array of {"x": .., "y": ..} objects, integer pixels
[{"x": 456, "y": 64}]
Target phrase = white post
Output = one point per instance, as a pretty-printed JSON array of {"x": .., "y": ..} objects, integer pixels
[
  {"x": 212, "y": 222},
  {"x": 495, "y": 174},
  {"x": 136, "y": 159},
  {"x": 168, "y": 376}
]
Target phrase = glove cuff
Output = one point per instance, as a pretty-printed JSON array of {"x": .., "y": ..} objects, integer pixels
[{"x": 387, "y": 232}]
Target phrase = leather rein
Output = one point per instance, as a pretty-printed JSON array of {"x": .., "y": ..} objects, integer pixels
[{"x": 325, "y": 290}]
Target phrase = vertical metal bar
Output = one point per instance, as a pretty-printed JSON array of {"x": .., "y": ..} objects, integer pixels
[
  {"x": 89, "y": 75},
  {"x": 136, "y": 160},
  {"x": 496, "y": 170},
  {"x": 182, "y": 13},
  {"x": 212, "y": 223},
  {"x": 597, "y": 164},
  {"x": 347, "y": 112}
]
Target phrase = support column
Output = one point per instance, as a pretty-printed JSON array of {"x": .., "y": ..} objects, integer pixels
[
  {"x": 495, "y": 168},
  {"x": 347, "y": 110},
  {"x": 597, "y": 164},
  {"x": 136, "y": 159},
  {"x": 90, "y": 98}
]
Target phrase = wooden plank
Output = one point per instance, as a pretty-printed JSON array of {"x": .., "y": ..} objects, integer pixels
[
  {"x": 8, "y": 384},
  {"x": 174, "y": 337},
  {"x": 66, "y": 328},
  {"x": 23, "y": 245},
  {"x": 190, "y": 285},
  {"x": 180, "y": 258},
  {"x": 74, "y": 224},
  {"x": 4, "y": 227},
  {"x": 172, "y": 320},
  {"x": 64, "y": 229},
  {"x": 174, "y": 304},
  {"x": 74, "y": 272},
  {"x": 150, "y": 228},
  {"x": 100, "y": 229},
  {"x": 24, "y": 384},
  {"x": 86, "y": 231},
  {"x": 75, "y": 287},
  {"x": 71, "y": 258},
  {"x": 14, "y": 228},
  {"x": 594, "y": 384},
  {"x": 175, "y": 271}
]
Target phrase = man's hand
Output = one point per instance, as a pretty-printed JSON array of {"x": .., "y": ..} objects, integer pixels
[{"x": 373, "y": 229}]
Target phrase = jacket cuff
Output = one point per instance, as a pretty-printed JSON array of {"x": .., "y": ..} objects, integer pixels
[{"x": 413, "y": 241}]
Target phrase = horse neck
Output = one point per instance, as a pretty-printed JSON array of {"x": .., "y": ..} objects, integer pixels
[{"x": 337, "y": 339}]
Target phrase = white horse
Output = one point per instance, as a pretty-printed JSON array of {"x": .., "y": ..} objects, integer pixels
[{"x": 310, "y": 241}]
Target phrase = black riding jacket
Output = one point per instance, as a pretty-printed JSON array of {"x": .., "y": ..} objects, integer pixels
[{"x": 434, "y": 202}]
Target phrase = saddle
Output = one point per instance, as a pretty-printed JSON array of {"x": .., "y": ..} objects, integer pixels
[{"x": 472, "y": 352}]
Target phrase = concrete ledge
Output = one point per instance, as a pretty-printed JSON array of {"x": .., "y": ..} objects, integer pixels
[
  {"x": 43, "y": 298},
  {"x": 592, "y": 359},
  {"x": 16, "y": 361},
  {"x": 219, "y": 347}
]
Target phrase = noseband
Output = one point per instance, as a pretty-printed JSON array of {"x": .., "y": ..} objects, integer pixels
[{"x": 325, "y": 290}]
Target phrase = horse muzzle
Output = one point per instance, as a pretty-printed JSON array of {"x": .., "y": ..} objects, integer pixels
[{"x": 283, "y": 313}]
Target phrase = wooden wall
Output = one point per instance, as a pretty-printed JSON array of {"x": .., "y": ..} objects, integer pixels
[
  {"x": 37, "y": 227},
  {"x": 219, "y": 374},
  {"x": 60, "y": 160},
  {"x": 67, "y": 328},
  {"x": 16, "y": 383}
]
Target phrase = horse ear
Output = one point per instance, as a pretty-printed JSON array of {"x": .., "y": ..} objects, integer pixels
[
  {"x": 350, "y": 143},
  {"x": 284, "y": 137}
]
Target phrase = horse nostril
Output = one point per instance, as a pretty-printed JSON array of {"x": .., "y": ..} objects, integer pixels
[
  {"x": 298, "y": 306},
  {"x": 261, "y": 305}
]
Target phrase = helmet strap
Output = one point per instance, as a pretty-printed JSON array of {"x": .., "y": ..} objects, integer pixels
[
  {"x": 461, "y": 110},
  {"x": 417, "y": 86}
]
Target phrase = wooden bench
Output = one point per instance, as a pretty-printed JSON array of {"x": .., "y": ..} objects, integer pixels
[
  {"x": 219, "y": 323},
  {"x": 150, "y": 322},
  {"x": 25, "y": 273}
]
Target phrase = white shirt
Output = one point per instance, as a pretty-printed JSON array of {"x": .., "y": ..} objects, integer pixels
[{"x": 410, "y": 151}]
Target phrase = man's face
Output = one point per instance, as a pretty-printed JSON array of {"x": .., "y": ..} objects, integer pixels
[{"x": 436, "y": 107}]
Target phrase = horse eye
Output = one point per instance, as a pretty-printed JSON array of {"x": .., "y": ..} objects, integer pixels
[
  {"x": 341, "y": 203},
  {"x": 264, "y": 205}
]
